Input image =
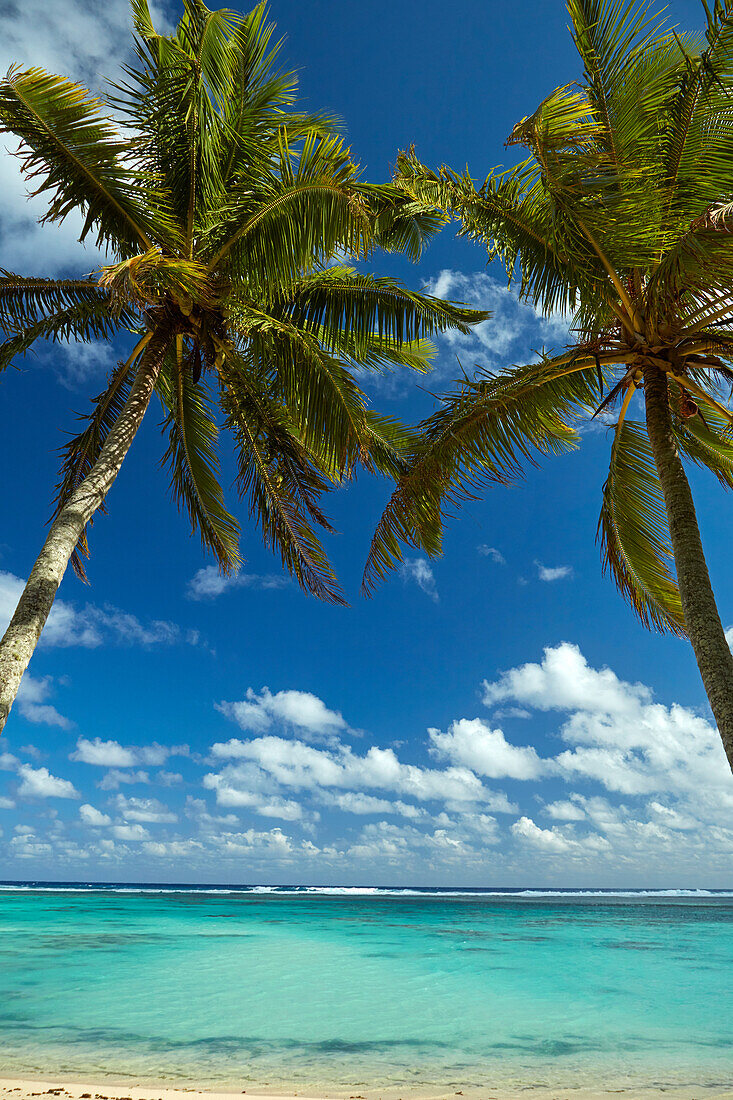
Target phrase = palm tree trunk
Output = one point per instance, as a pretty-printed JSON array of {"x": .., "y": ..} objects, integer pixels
[
  {"x": 714, "y": 658},
  {"x": 21, "y": 637}
]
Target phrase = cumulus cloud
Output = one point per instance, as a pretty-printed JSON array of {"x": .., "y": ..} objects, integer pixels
[
  {"x": 147, "y": 810},
  {"x": 299, "y": 766},
  {"x": 130, "y": 832},
  {"x": 553, "y": 573},
  {"x": 486, "y": 751},
  {"x": 418, "y": 571},
  {"x": 116, "y": 777},
  {"x": 299, "y": 709},
  {"x": 86, "y": 42},
  {"x": 33, "y": 705},
  {"x": 94, "y": 817},
  {"x": 355, "y": 802},
  {"x": 111, "y": 754},
  {"x": 39, "y": 783},
  {"x": 209, "y": 582},
  {"x": 646, "y": 792},
  {"x": 550, "y": 839},
  {"x": 91, "y": 626},
  {"x": 618, "y": 736},
  {"x": 513, "y": 328},
  {"x": 564, "y": 810}
]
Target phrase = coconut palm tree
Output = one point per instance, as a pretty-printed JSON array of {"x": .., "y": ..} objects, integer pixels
[
  {"x": 228, "y": 217},
  {"x": 620, "y": 216}
]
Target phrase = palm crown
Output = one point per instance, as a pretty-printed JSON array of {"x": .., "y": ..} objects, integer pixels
[
  {"x": 618, "y": 218},
  {"x": 228, "y": 217}
]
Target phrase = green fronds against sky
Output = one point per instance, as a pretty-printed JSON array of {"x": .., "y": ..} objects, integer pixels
[
  {"x": 619, "y": 217},
  {"x": 229, "y": 216}
]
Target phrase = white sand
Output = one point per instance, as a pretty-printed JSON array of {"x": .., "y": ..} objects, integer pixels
[{"x": 61, "y": 1088}]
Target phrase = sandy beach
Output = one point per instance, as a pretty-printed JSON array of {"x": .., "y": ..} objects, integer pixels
[{"x": 63, "y": 1089}]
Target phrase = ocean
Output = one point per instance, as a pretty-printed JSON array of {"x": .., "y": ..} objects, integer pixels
[{"x": 303, "y": 988}]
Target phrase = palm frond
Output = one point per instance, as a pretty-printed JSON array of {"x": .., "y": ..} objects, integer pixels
[
  {"x": 696, "y": 153},
  {"x": 401, "y": 224},
  {"x": 278, "y": 475},
  {"x": 303, "y": 216},
  {"x": 634, "y": 533},
  {"x": 339, "y": 300},
  {"x": 193, "y": 460},
  {"x": 612, "y": 36},
  {"x": 143, "y": 280},
  {"x": 704, "y": 438},
  {"x": 78, "y": 159},
  {"x": 514, "y": 221},
  {"x": 483, "y": 433},
  {"x": 83, "y": 321},
  {"x": 24, "y": 301}
]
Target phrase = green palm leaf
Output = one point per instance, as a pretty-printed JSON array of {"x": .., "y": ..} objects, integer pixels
[
  {"x": 337, "y": 301},
  {"x": 84, "y": 321},
  {"x": 193, "y": 460},
  {"x": 634, "y": 533},
  {"x": 277, "y": 474},
  {"x": 76, "y": 157},
  {"x": 482, "y": 434}
]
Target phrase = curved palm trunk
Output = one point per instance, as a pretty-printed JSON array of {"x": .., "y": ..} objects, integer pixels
[
  {"x": 21, "y": 637},
  {"x": 714, "y": 658}
]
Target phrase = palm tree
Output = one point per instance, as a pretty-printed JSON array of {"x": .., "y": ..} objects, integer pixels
[
  {"x": 228, "y": 217},
  {"x": 620, "y": 216}
]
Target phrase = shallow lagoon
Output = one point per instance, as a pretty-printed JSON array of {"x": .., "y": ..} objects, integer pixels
[{"x": 379, "y": 989}]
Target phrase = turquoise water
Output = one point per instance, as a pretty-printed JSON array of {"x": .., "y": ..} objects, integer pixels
[{"x": 345, "y": 990}]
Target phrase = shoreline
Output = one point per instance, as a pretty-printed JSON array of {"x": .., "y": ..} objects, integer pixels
[{"x": 61, "y": 1087}]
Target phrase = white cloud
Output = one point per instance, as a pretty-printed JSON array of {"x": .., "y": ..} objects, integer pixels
[
  {"x": 209, "y": 582},
  {"x": 448, "y": 842},
  {"x": 33, "y": 706},
  {"x": 130, "y": 832},
  {"x": 77, "y": 363},
  {"x": 91, "y": 626},
  {"x": 299, "y": 766},
  {"x": 91, "y": 816},
  {"x": 553, "y": 573},
  {"x": 418, "y": 571},
  {"x": 300, "y": 709},
  {"x": 64, "y": 626},
  {"x": 507, "y": 336},
  {"x": 147, "y": 810},
  {"x": 114, "y": 778},
  {"x": 173, "y": 849},
  {"x": 491, "y": 552},
  {"x": 647, "y": 796},
  {"x": 354, "y": 802},
  {"x": 247, "y": 786},
  {"x": 104, "y": 754},
  {"x": 169, "y": 779},
  {"x": 39, "y": 783},
  {"x": 486, "y": 751},
  {"x": 618, "y": 736},
  {"x": 549, "y": 839},
  {"x": 111, "y": 754},
  {"x": 6, "y": 803},
  {"x": 564, "y": 810},
  {"x": 82, "y": 41}
]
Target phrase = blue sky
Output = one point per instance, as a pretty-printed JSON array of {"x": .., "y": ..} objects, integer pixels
[{"x": 495, "y": 717}]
